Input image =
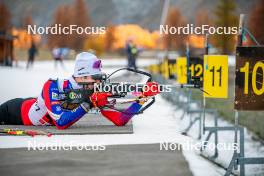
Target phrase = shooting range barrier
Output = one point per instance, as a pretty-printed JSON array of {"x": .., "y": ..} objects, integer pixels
[{"x": 249, "y": 94}]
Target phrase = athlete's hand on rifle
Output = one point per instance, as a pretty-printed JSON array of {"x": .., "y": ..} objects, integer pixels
[
  {"x": 151, "y": 89},
  {"x": 99, "y": 99}
]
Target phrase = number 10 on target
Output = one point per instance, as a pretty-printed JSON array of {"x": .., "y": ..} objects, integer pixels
[
  {"x": 249, "y": 80},
  {"x": 215, "y": 82}
]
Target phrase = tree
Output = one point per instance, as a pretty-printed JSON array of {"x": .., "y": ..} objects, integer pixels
[
  {"x": 256, "y": 22},
  {"x": 110, "y": 37},
  {"x": 202, "y": 18},
  {"x": 27, "y": 20},
  {"x": 80, "y": 18},
  {"x": 61, "y": 40},
  {"x": 5, "y": 17},
  {"x": 175, "y": 41},
  {"x": 77, "y": 14},
  {"x": 225, "y": 17}
]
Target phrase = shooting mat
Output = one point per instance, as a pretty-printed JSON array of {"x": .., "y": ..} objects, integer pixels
[{"x": 90, "y": 123}]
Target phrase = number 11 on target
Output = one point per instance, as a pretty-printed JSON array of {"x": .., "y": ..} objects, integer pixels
[{"x": 215, "y": 82}]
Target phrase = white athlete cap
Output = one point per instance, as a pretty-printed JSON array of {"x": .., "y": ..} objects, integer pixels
[{"x": 87, "y": 64}]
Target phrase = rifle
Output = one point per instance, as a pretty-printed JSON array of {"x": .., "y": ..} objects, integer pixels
[{"x": 118, "y": 90}]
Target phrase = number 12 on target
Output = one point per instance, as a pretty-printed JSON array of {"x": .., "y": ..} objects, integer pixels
[{"x": 215, "y": 82}]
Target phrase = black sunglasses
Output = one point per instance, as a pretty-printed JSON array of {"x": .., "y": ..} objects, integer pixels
[{"x": 100, "y": 77}]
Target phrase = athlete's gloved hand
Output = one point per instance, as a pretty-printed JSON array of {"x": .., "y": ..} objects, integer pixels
[
  {"x": 151, "y": 89},
  {"x": 99, "y": 99}
]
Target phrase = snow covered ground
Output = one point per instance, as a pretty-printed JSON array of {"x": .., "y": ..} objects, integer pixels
[
  {"x": 158, "y": 124},
  {"x": 253, "y": 148}
]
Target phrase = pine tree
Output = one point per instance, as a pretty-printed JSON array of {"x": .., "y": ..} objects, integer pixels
[
  {"x": 256, "y": 22},
  {"x": 225, "y": 17}
]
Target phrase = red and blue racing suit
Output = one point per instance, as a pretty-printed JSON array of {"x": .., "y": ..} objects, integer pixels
[{"x": 46, "y": 108}]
